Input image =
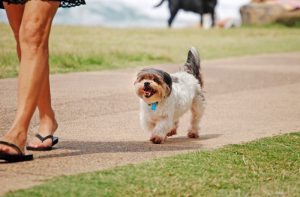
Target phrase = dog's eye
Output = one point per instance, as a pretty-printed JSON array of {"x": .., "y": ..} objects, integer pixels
[
  {"x": 140, "y": 79},
  {"x": 157, "y": 80}
]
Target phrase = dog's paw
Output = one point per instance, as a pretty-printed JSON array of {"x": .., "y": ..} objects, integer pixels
[
  {"x": 193, "y": 134},
  {"x": 155, "y": 139},
  {"x": 172, "y": 132}
]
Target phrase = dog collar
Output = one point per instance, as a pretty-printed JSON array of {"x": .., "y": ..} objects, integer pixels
[{"x": 153, "y": 106}]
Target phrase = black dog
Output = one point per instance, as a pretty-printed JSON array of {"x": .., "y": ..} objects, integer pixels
[{"x": 198, "y": 6}]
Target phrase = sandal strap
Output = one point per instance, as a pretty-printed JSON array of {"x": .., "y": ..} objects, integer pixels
[
  {"x": 12, "y": 146},
  {"x": 44, "y": 138}
]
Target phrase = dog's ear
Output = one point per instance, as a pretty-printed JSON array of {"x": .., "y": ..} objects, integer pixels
[
  {"x": 166, "y": 77},
  {"x": 168, "y": 80},
  {"x": 168, "y": 90},
  {"x": 137, "y": 80},
  {"x": 139, "y": 77}
]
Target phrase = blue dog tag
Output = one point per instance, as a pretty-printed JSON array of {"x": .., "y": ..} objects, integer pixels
[{"x": 153, "y": 106}]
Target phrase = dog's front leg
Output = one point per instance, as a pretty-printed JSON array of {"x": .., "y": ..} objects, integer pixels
[
  {"x": 160, "y": 131},
  {"x": 146, "y": 124}
]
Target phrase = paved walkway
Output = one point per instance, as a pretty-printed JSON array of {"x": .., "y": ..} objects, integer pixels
[{"x": 248, "y": 98}]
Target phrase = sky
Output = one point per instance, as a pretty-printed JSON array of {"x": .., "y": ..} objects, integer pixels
[{"x": 134, "y": 13}]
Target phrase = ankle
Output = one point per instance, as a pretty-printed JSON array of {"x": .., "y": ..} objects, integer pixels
[
  {"x": 16, "y": 136},
  {"x": 48, "y": 125},
  {"x": 47, "y": 115}
]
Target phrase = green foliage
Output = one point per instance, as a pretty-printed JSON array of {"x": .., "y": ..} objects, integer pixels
[{"x": 91, "y": 48}]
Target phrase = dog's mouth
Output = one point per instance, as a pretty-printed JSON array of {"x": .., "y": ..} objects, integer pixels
[{"x": 148, "y": 91}]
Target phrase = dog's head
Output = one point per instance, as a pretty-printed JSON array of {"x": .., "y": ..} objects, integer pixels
[{"x": 153, "y": 85}]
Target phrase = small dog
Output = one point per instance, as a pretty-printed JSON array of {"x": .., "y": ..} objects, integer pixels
[{"x": 165, "y": 98}]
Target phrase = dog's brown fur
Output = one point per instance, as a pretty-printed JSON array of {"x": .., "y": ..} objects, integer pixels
[{"x": 156, "y": 82}]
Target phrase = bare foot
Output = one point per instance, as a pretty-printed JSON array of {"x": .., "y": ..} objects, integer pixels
[
  {"x": 19, "y": 140},
  {"x": 48, "y": 126}
]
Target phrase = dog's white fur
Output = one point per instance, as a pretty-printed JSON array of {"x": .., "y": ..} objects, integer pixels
[{"x": 186, "y": 95}]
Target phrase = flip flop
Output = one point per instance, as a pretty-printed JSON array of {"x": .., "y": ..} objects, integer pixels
[
  {"x": 14, "y": 157},
  {"x": 54, "y": 141}
]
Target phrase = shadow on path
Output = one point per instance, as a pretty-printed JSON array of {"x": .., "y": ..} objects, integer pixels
[{"x": 86, "y": 147}]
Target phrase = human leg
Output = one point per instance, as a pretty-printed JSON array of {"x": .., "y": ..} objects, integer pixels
[{"x": 34, "y": 67}]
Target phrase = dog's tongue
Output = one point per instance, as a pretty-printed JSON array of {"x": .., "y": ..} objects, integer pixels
[{"x": 147, "y": 92}]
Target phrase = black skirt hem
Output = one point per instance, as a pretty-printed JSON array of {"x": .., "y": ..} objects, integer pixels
[{"x": 63, "y": 3}]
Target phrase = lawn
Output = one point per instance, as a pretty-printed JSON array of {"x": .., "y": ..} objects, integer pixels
[
  {"x": 266, "y": 167},
  {"x": 93, "y": 48}
]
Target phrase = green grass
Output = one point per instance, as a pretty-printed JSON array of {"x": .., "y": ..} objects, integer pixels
[
  {"x": 92, "y": 48},
  {"x": 266, "y": 167}
]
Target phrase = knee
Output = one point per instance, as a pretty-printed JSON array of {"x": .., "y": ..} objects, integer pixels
[{"x": 32, "y": 36}]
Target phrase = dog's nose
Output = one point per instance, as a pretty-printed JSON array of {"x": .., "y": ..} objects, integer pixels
[{"x": 146, "y": 84}]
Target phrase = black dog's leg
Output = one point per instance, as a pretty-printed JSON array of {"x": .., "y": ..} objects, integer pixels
[
  {"x": 173, "y": 13},
  {"x": 201, "y": 20},
  {"x": 213, "y": 19}
]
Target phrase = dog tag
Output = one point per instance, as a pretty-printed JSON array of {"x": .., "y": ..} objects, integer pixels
[{"x": 153, "y": 106}]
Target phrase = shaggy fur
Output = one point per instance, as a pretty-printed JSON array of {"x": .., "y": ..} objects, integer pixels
[{"x": 174, "y": 95}]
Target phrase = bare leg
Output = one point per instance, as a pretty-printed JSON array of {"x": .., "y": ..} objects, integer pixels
[
  {"x": 34, "y": 67},
  {"x": 48, "y": 123},
  {"x": 14, "y": 14}
]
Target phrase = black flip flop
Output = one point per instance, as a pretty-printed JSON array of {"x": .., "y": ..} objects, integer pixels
[
  {"x": 54, "y": 141},
  {"x": 15, "y": 157}
]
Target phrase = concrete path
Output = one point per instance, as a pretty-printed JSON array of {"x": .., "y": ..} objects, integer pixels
[{"x": 247, "y": 98}]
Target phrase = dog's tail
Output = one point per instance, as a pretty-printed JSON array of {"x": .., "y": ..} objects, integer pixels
[
  {"x": 192, "y": 65},
  {"x": 159, "y": 4}
]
